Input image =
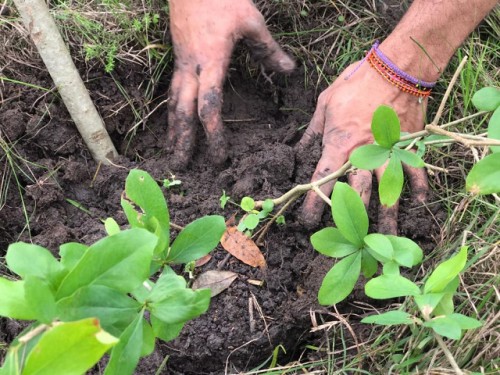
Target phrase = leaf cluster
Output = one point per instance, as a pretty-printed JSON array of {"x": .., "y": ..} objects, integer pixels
[{"x": 101, "y": 298}]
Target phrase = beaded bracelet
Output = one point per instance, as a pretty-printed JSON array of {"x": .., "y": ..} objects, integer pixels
[{"x": 391, "y": 73}]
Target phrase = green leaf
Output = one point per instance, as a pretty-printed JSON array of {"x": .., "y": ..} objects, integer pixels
[
  {"x": 268, "y": 205},
  {"x": 148, "y": 339},
  {"x": 349, "y": 213},
  {"x": 111, "y": 307},
  {"x": 168, "y": 282},
  {"x": 251, "y": 221},
  {"x": 389, "y": 318},
  {"x": 385, "y": 126},
  {"x": 369, "y": 264},
  {"x": 445, "y": 326},
  {"x": 41, "y": 298},
  {"x": 446, "y": 272},
  {"x": 143, "y": 190},
  {"x": 446, "y": 306},
  {"x": 369, "y": 156},
  {"x": 494, "y": 129},
  {"x": 406, "y": 252},
  {"x": 379, "y": 246},
  {"x": 391, "y": 183},
  {"x": 181, "y": 305},
  {"x": 340, "y": 280},
  {"x": 125, "y": 356},
  {"x": 247, "y": 204},
  {"x": 390, "y": 268},
  {"x": 465, "y": 322},
  {"x": 330, "y": 242},
  {"x": 71, "y": 253},
  {"x": 13, "y": 303},
  {"x": 390, "y": 286},
  {"x": 484, "y": 177},
  {"x": 132, "y": 215},
  {"x": 69, "y": 348},
  {"x": 410, "y": 158},
  {"x": 197, "y": 239},
  {"x": 487, "y": 99},
  {"x": 109, "y": 260},
  {"x": 111, "y": 226},
  {"x": 164, "y": 331},
  {"x": 28, "y": 259},
  {"x": 428, "y": 302}
]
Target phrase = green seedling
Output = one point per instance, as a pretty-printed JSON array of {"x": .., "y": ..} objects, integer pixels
[
  {"x": 101, "y": 297},
  {"x": 484, "y": 177},
  {"x": 253, "y": 217},
  {"x": 224, "y": 199},
  {"x": 359, "y": 251},
  {"x": 434, "y": 301},
  {"x": 280, "y": 220},
  {"x": 386, "y": 130},
  {"x": 171, "y": 182}
]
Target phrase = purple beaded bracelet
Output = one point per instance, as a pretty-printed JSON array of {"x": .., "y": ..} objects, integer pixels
[{"x": 390, "y": 64}]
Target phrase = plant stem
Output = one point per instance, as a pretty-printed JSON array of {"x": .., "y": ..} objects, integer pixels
[{"x": 448, "y": 354}]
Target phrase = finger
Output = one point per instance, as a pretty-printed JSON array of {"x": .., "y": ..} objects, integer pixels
[
  {"x": 387, "y": 216},
  {"x": 209, "y": 111},
  {"x": 313, "y": 206},
  {"x": 262, "y": 45},
  {"x": 418, "y": 183},
  {"x": 174, "y": 91},
  {"x": 361, "y": 181},
  {"x": 184, "y": 121},
  {"x": 316, "y": 126}
]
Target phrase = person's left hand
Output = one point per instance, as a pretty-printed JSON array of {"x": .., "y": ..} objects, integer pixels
[{"x": 343, "y": 120}]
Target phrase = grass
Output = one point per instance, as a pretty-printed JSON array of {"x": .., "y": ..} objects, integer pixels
[{"x": 325, "y": 37}]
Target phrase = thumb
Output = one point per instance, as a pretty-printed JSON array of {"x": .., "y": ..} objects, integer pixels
[{"x": 263, "y": 47}]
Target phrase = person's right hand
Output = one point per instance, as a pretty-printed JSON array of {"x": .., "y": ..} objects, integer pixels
[{"x": 204, "y": 33}]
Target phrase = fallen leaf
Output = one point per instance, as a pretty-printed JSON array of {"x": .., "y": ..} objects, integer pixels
[
  {"x": 203, "y": 260},
  {"x": 255, "y": 282},
  {"x": 216, "y": 281},
  {"x": 242, "y": 247}
]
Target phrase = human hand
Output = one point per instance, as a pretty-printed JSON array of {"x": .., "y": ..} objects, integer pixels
[
  {"x": 204, "y": 33},
  {"x": 343, "y": 119}
]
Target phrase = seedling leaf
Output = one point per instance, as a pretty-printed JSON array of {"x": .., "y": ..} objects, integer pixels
[
  {"x": 465, "y": 322},
  {"x": 369, "y": 264},
  {"x": 379, "y": 246},
  {"x": 390, "y": 286},
  {"x": 164, "y": 331},
  {"x": 242, "y": 247},
  {"x": 391, "y": 183},
  {"x": 268, "y": 205},
  {"x": 369, "y": 156},
  {"x": 494, "y": 129},
  {"x": 385, "y": 126},
  {"x": 71, "y": 253},
  {"x": 349, "y": 213},
  {"x": 14, "y": 304},
  {"x": 340, "y": 280},
  {"x": 111, "y": 226},
  {"x": 251, "y": 221},
  {"x": 125, "y": 356},
  {"x": 181, "y": 305},
  {"x": 69, "y": 348},
  {"x": 247, "y": 204},
  {"x": 40, "y": 297},
  {"x": 409, "y": 158},
  {"x": 216, "y": 281},
  {"x": 330, "y": 242},
  {"x": 446, "y": 305},
  {"x": 406, "y": 252},
  {"x": 428, "y": 302},
  {"x": 446, "y": 272},
  {"x": 148, "y": 339},
  {"x": 484, "y": 177},
  {"x": 487, "y": 99},
  {"x": 445, "y": 326},
  {"x": 197, "y": 239},
  {"x": 389, "y": 318}
]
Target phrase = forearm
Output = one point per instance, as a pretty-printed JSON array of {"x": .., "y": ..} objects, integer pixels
[{"x": 430, "y": 32}]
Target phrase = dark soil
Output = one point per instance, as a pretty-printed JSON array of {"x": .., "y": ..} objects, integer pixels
[{"x": 52, "y": 165}]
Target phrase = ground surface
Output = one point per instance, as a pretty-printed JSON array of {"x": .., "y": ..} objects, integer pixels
[{"x": 52, "y": 165}]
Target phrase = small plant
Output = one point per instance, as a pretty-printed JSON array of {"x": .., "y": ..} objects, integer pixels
[
  {"x": 102, "y": 297},
  {"x": 253, "y": 217},
  {"x": 224, "y": 199},
  {"x": 386, "y": 130},
  {"x": 171, "y": 182},
  {"x": 360, "y": 251}
]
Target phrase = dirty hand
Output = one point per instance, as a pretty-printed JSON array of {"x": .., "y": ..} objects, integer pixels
[
  {"x": 204, "y": 33},
  {"x": 343, "y": 120}
]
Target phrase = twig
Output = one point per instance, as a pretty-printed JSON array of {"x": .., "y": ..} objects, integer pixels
[{"x": 273, "y": 219}]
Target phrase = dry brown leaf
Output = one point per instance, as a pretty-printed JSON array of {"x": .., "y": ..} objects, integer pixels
[
  {"x": 216, "y": 281},
  {"x": 203, "y": 260},
  {"x": 242, "y": 247}
]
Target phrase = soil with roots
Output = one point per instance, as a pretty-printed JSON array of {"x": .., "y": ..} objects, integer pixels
[{"x": 53, "y": 192}]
